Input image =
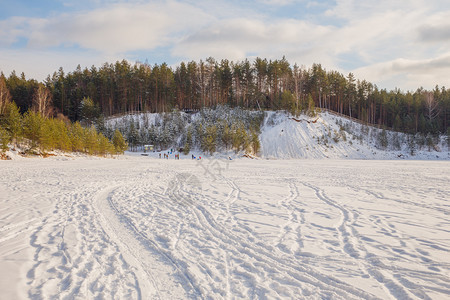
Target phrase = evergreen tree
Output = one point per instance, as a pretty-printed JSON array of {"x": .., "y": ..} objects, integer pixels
[
  {"x": 188, "y": 144},
  {"x": 104, "y": 145},
  {"x": 91, "y": 140},
  {"x": 133, "y": 135},
  {"x": 209, "y": 142},
  {"x": 90, "y": 111},
  {"x": 411, "y": 144},
  {"x": 77, "y": 137},
  {"x": 13, "y": 122},
  {"x": 5, "y": 139},
  {"x": 48, "y": 135},
  {"x": 255, "y": 143},
  {"x": 227, "y": 136},
  {"x": 32, "y": 123},
  {"x": 119, "y": 142},
  {"x": 63, "y": 139},
  {"x": 398, "y": 123},
  {"x": 246, "y": 141},
  {"x": 383, "y": 139},
  {"x": 311, "y": 107},
  {"x": 240, "y": 139}
]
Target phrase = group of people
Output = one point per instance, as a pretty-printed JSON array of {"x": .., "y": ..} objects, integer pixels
[{"x": 167, "y": 155}]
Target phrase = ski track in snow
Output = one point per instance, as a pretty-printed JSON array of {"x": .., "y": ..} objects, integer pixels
[{"x": 142, "y": 228}]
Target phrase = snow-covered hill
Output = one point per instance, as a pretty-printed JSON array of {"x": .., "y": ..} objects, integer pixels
[
  {"x": 282, "y": 136},
  {"x": 330, "y": 136},
  {"x": 285, "y": 137}
]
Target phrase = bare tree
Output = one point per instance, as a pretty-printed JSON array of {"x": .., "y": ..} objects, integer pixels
[
  {"x": 432, "y": 106},
  {"x": 42, "y": 101},
  {"x": 5, "y": 96}
]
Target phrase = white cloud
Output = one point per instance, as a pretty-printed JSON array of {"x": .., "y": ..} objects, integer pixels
[
  {"x": 277, "y": 2},
  {"x": 11, "y": 30},
  {"x": 38, "y": 64},
  {"x": 237, "y": 39},
  {"x": 116, "y": 29},
  {"x": 410, "y": 74}
]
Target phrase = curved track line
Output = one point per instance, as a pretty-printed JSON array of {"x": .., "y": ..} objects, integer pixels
[{"x": 144, "y": 254}]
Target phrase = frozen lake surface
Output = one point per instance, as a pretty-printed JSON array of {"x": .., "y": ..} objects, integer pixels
[{"x": 144, "y": 228}]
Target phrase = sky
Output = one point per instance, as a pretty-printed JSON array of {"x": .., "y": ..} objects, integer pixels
[{"x": 391, "y": 43}]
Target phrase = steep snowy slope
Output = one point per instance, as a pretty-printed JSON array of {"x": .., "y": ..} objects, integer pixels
[{"x": 330, "y": 136}]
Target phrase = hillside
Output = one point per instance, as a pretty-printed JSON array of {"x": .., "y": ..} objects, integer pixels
[
  {"x": 285, "y": 137},
  {"x": 330, "y": 136},
  {"x": 281, "y": 136}
]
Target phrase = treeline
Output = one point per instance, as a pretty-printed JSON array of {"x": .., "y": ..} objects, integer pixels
[
  {"x": 210, "y": 130},
  {"x": 35, "y": 134},
  {"x": 262, "y": 84}
]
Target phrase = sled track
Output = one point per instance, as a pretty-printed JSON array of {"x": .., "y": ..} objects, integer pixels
[
  {"x": 144, "y": 254},
  {"x": 393, "y": 282},
  {"x": 264, "y": 259}
]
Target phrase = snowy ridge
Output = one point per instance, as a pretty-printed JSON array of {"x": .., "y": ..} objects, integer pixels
[
  {"x": 323, "y": 136},
  {"x": 320, "y": 137}
]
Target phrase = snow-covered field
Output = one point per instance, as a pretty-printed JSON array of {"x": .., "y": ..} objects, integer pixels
[{"x": 144, "y": 228}]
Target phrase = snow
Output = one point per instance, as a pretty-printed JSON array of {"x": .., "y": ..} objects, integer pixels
[
  {"x": 139, "y": 227},
  {"x": 320, "y": 137},
  {"x": 324, "y": 212}
]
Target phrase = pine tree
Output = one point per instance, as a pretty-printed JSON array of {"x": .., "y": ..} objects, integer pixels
[
  {"x": 119, "y": 142},
  {"x": 209, "y": 142},
  {"x": 90, "y": 111},
  {"x": 5, "y": 139},
  {"x": 398, "y": 124},
  {"x": 311, "y": 107},
  {"x": 76, "y": 137},
  {"x": 246, "y": 142},
  {"x": 104, "y": 145},
  {"x": 412, "y": 144},
  {"x": 63, "y": 138},
  {"x": 240, "y": 139},
  {"x": 91, "y": 140},
  {"x": 236, "y": 139},
  {"x": 32, "y": 123},
  {"x": 48, "y": 135},
  {"x": 188, "y": 144},
  {"x": 13, "y": 122},
  {"x": 255, "y": 143},
  {"x": 383, "y": 139},
  {"x": 226, "y": 136},
  {"x": 133, "y": 135}
]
